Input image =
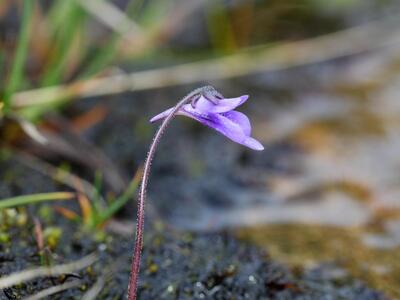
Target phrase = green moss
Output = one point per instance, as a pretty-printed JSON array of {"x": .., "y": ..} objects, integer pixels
[
  {"x": 152, "y": 268},
  {"x": 5, "y": 154},
  {"x": 4, "y": 237},
  {"x": 22, "y": 217},
  {"x": 300, "y": 245},
  {"x": 52, "y": 236},
  {"x": 100, "y": 236},
  {"x": 46, "y": 213}
]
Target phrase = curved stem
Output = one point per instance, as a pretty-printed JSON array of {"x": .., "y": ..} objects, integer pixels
[{"x": 135, "y": 268}]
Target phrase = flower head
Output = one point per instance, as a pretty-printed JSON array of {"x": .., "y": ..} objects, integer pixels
[{"x": 213, "y": 110}]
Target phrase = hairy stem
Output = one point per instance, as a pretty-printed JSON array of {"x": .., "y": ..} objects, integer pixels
[{"x": 135, "y": 268}]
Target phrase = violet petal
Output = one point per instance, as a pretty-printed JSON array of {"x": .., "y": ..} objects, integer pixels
[
  {"x": 231, "y": 129},
  {"x": 227, "y": 104},
  {"x": 203, "y": 105},
  {"x": 162, "y": 115},
  {"x": 241, "y": 119},
  {"x": 234, "y": 131},
  {"x": 253, "y": 144}
]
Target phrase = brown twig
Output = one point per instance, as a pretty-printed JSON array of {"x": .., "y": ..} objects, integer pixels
[{"x": 39, "y": 235}]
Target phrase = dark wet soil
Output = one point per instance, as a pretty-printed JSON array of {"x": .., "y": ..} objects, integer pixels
[{"x": 176, "y": 265}]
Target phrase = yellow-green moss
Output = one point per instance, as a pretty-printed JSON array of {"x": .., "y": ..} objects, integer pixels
[{"x": 300, "y": 245}]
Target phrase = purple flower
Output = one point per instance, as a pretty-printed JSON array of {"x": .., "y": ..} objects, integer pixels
[{"x": 218, "y": 113}]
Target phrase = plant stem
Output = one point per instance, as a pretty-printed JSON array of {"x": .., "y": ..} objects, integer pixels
[{"x": 135, "y": 268}]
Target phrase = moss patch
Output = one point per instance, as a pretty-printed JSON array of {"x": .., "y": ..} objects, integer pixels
[{"x": 302, "y": 245}]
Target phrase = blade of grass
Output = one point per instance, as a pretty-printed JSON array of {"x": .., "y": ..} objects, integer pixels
[
  {"x": 108, "y": 53},
  {"x": 34, "y": 198},
  {"x": 111, "y": 16},
  {"x": 88, "y": 215},
  {"x": 2, "y": 59},
  {"x": 153, "y": 11},
  {"x": 64, "y": 41},
  {"x": 17, "y": 70},
  {"x": 67, "y": 213},
  {"x": 58, "y": 13},
  {"x": 105, "y": 55},
  {"x": 220, "y": 28},
  {"x": 135, "y": 8},
  {"x": 123, "y": 199},
  {"x": 98, "y": 205}
]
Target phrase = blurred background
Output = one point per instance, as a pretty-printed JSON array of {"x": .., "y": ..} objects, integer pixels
[{"x": 79, "y": 81}]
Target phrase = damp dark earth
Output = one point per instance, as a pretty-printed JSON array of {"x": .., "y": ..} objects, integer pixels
[{"x": 315, "y": 215}]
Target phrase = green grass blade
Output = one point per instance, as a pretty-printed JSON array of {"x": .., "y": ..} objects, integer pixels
[
  {"x": 103, "y": 57},
  {"x": 17, "y": 70},
  {"x": 97, "y": 206},
  {"x": 65, "y": 33},
  {"x": 58, "y": 13},
  {"x": 117, "y": 204},
  {"x": 34, "y": 198},
  {"x": 220, "y": 28},
  {"x": 106, "y": 54},
  {"x": 2, "y": 60}
]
